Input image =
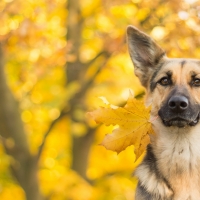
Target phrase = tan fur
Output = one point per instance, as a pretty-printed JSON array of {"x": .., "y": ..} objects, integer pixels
[
  {"x": 181, "y": 77},
  {"x": 173, "y": 172},
  {"x": 178, "y": 150}
]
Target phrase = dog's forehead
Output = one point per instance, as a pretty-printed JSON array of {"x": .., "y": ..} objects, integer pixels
[{"x": 177, "y": 66}]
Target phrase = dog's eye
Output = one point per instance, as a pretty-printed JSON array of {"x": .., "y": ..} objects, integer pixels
[
  {"x": 164, "y": 81},
  {"x": 196, "y": 82}
]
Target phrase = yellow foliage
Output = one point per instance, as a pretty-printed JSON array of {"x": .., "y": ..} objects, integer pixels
[
  {"x": 37, "y": 55},
  {"x": 16, "y": 192}
]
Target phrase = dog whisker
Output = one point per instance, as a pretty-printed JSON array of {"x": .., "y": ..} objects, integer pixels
[{"x": 154, "y": 119}]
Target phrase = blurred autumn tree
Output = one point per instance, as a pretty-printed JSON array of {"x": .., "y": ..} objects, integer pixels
[{"x": 56, "y": 59}]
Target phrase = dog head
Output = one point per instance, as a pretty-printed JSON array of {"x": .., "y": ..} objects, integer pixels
[{"x": 172, "y": 85}]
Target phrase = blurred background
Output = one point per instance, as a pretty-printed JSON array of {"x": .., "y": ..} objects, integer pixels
[{"x": 57, "y": 57}]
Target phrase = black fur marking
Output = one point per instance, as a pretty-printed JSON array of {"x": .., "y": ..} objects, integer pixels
[
  {"x": 169, "y": 74},
  {"x": 142, "y": 193},
  {"x": 151, "y": 161},
  {"x": 153, "y": 86},
  {"x": 152, "y": 82},
  {"x": 160, "y": 57},
  {"x": 182, "y": 63}
]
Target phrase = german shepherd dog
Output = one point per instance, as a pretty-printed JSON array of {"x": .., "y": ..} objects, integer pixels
[{"x": 171, "y": 168}]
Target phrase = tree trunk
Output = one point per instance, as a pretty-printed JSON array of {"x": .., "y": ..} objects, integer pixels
[
  {"x": 75, "y": 70},
  {"x": 74, "y": 29},
  {"x": 81, "y": 150},
  {"x": 23, "y": 165}
]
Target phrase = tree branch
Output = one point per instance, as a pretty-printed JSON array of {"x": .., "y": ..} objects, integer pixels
[
  {"x": 41, "y": 147},
  {"x": 86, "y": 65},
  {"x": 6, "y": 7}
]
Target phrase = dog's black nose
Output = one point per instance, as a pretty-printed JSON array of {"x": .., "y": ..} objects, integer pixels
[{"x": 178, "y": 103}]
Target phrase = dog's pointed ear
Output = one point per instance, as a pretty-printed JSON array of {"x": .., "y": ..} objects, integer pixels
[{"x": 144, "y": 52}]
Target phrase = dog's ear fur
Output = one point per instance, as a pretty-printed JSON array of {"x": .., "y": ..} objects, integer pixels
[{"x": 144, "y": 52}]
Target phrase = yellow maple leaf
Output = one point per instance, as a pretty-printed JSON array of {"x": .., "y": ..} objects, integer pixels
[{"x": 133, "y": 122}]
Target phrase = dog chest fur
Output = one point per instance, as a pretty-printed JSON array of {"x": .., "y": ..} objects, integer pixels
[{"x": 175, "y": 173}]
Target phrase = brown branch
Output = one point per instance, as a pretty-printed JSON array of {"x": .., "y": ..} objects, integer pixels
[
  {"x": 80, "y": 149},
  {"x": 51, "y": 126},
  {"x": 90, "y": 82},
  {"x": 86, "y": 65},
  {"x": 6, "y": 7}
]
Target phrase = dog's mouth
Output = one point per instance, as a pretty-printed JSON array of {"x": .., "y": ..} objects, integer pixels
[{"x": 181, "y": 122}]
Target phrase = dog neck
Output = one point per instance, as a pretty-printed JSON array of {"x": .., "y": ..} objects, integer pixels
[{"x": 177, "y": 148}]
